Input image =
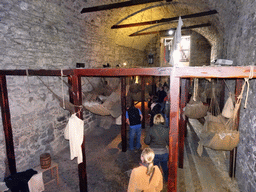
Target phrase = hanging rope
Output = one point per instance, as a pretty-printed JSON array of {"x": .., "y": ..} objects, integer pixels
[
  {"x": 195, "y": 89},
  {"x": 28, "y": 80},
  {"x": 63, "y": 100},
  {"x": 248, "y": 85}
]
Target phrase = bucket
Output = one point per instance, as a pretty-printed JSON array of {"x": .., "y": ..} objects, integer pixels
[{"x": 45, "y": 160}]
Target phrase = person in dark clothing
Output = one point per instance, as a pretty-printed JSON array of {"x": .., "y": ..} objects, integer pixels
[
  {"x": 155, "y": 109},
  {"x": 161, "y": 94},
  {"x": 18, "y": 182},
  {"x": 134, "y": 118},
  {"x": 157, "y": 137}
]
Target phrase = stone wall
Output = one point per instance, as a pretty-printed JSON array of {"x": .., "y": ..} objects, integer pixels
[
  {"x": 240, "y": 46},
  {"x": 44, "y": 34},
  {"x": 200, "y": 53}
]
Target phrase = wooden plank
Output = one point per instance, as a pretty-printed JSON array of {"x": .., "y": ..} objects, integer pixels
[
  {"x": 163, "y": 31},
  {"x": 41, "y": 72},
  {"x": 183, "y": 72},
  {"x": 233, "y": 153},
  {"x": 143, "y": 102},
  {"x": 200, "y": 14},
  {"x": 117, "y": 5},
  {"x": 123, "y": 103},
  {"x": 174, "y": 131},
  {"x": 77, "y": 98},
  {"x": 6, "y": 119},
  {"x": 183, "y": 122}
]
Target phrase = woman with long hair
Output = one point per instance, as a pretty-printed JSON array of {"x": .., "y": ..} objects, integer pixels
[
  {"x": 157, "y": 137},
  {"x": 147, "y": 177}
]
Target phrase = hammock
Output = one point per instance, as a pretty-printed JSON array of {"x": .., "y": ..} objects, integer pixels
[
  {"x": 195, "y": 109},
  {"x": 218, "y": 132}
]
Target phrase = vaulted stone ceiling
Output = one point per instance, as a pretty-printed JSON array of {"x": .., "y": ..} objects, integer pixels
[{"x": 152, "y": 11}]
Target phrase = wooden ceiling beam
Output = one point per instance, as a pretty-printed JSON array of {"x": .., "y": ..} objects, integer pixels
[
  {"x": 118, "y": 5},
  {"x": 161, "y": 31},
  {"x": 200, "y": 14}
]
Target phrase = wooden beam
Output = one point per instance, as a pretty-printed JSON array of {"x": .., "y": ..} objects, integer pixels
[
  {"x": 77, "y": 98},
  {"x": 41, "y": 72},
  {"x": 201, "y": 14},
  {"x": 183, "y": 72},
  {"x": 233, "y": 153},
  {"x": 162, "y": 31},
  {"x": 123, "y": 104},
  {"x": 6, "y": 119},
  {"x": 174, "y": 131},
  {"x": 183, "y": 122},
  {"x": 117, "y": 5}
]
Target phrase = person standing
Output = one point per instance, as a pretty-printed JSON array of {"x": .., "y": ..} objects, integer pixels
[
  {"x": 146, "y": 177},
  {"x": 155, "y": 109},
  {"x": 134, "y": 118},
  {"x": 161, "y": 94},
  {"x": 157, "y": 137}
]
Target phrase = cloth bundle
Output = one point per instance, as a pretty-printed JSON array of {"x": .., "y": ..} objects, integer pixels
[{"x": 217, "y": 134}]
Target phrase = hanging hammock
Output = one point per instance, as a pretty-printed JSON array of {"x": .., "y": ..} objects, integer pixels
[
  {"x": 195, "y": 108},
  {"x": 218, "y": 132}
]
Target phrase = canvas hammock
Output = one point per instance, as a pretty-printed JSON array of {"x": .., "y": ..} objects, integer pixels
[
  {"x": 195, "y": 108},
  {"x": 219, "y": 132}
]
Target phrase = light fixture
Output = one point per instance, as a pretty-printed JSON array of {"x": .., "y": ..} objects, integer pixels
[
  {"x": 170, "y": 32},
  {"x": 124, "y": 64}
]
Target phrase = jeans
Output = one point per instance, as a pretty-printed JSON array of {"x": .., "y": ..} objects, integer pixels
[
  {"x": 162, "y": 160},
  {"x": 135, "y": 131}
]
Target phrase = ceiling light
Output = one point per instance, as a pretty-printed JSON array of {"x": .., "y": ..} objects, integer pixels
[{"x": 170, "y": 32}]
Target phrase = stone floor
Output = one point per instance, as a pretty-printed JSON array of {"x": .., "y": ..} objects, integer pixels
[{"x": 108, "y": 167}]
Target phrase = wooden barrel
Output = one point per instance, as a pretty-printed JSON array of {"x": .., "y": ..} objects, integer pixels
[{"x": 45, "y": 160}]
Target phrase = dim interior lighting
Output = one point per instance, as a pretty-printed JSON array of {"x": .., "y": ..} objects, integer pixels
[
  {"x": 170, "y": 32},
  {"x": 124, "y": 64},
  {"x": 137, "y": 79}
]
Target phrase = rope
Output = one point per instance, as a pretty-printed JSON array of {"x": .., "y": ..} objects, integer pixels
[
  {"x": 248, "y": 85},
  {"x": 28, "y": 80},
  {"x": 195, "y": 88},
  {"x": 62, "y": 89}
]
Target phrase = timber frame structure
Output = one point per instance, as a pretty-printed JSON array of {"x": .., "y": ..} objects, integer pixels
[{"x": 179, "y": 78}]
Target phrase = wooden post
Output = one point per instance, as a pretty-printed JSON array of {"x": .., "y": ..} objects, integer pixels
[
  {"x": 183, "y": 122},
  {"x": 123, "y": 104},
  {"x": 6, "y": 119},
  {"x": 77, "y": 98},
  {"x": 222, "y": 95},
  {"x": 233, "y": 153},
  {"x": 143, "y": 101},
  {"x": 174, "y": 131}
]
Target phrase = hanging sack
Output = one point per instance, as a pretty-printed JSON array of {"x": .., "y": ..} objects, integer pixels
[
  {"x": 225, "y": 140},
  {"x": 228, "y": 109},
  {"x": 195, "y": 109}
]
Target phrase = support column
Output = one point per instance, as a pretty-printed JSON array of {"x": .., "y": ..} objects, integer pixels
[
  {"x": 77, "y": 98},
  {"x": 143, "y": 101},
  {"x": 123, "y": 104},
  {"x": 6, "y": 119},
  {"x": 233, "y": 153},
  {"x": 174, "y": 131},
  {"x": 183, "y": 122}
]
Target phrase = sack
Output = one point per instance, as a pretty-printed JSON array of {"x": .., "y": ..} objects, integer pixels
[
  {"x": 225, "y": 141},
  {"x": 228, "y": 110},
  {"x": 195, "y": 110},
  {"x": 217, "y": 134}
]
